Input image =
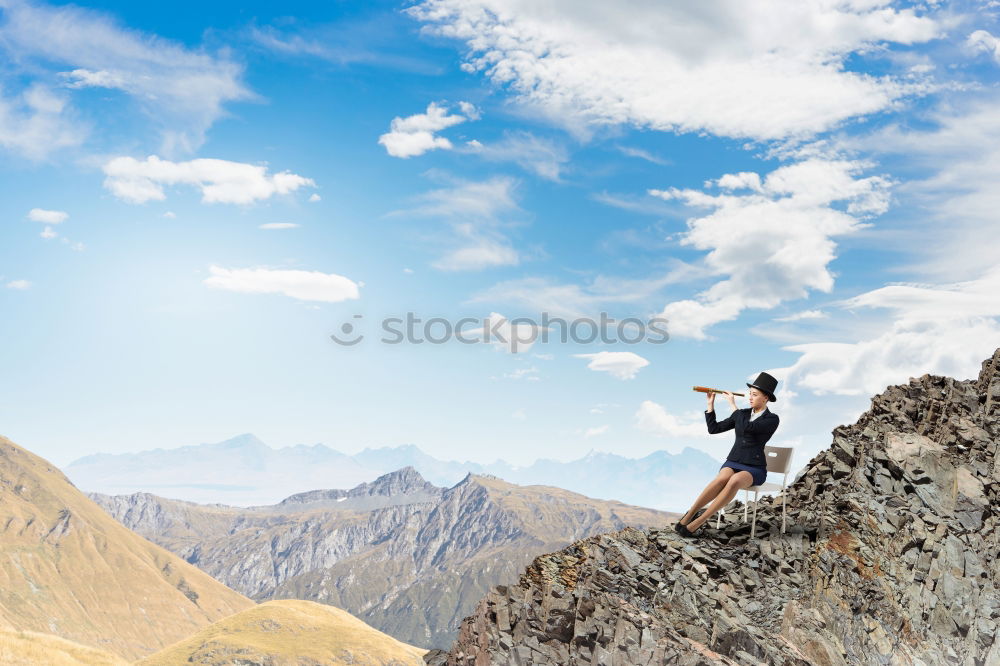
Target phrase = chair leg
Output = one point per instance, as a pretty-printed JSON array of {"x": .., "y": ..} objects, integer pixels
[
  {"x": 784, "y": 501},
  {"x": 746, "y": 501},
  {"x": 753, "y": 529}
]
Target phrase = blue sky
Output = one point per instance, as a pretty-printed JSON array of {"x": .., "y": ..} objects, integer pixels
[{"x": 196, "y": 196}]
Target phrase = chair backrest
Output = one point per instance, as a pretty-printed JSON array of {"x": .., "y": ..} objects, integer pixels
[{"x": 779, "y": 458}]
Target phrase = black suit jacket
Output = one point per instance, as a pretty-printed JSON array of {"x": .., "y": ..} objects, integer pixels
[{"x": 751, "y": 436}]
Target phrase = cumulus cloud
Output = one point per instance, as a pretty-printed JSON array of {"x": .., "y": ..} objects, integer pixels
[
  {"x": 415, "y": 135},
  {"x": 982, "y": 41},
  {"x": 622, "y": 365},
  {"x": 945, "y": 329},
  {"x": 183, "y": 90},
  {"x": 220, "y": 181},
  {"x": 763, "y": 70},
  {"x": 654, "y": 418},
  {"x": 301, "y": 285},
  {"x": 48, "y": 232},
  {"x": 19, "y": 284},
  {"x": 38, "y": 121},
  {"x": 47, "y": 216},
  {"x": 595, "y": 431},
  {"x": 773, "y": 241}
]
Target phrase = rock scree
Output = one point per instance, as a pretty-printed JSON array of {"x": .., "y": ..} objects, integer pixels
[{"x": 889, "y": 556}]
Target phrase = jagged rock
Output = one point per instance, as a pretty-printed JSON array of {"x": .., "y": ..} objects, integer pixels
[{"x": 889, "y": 557}]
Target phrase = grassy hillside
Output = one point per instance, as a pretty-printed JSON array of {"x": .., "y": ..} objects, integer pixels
[
  {"x": 29, "y": 648},
  {"x": 67, "y": 568},
  {"x": 289, "y": 632}
]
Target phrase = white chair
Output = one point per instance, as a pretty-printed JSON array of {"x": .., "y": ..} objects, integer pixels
[{"x": 779, "y": 461}]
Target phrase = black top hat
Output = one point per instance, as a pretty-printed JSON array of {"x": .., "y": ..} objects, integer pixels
[{"x": 765, "y": 383}]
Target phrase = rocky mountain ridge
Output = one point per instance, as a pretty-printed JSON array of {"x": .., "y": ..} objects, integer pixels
[
  {"x": 407, "y": 557},
  {"x": 889, "y": 557}
]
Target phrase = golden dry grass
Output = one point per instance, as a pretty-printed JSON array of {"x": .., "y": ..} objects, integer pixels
[
  {"x": 68, "y": 568},
  {"x": 29, "y": 648},
  {"x": 289, "y": 632}
]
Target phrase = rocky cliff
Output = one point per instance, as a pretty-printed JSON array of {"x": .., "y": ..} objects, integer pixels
[
  {"x": 889, "y": 557},
  {"x": 409, "y": 558}
]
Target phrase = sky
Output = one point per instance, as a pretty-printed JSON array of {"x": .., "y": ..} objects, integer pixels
[{"x": 196, "y": 197}]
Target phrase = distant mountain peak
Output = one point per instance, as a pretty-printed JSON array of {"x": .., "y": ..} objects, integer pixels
[
  {"x": 246, "y": 440},
  {"x": 403, "y": 481}
]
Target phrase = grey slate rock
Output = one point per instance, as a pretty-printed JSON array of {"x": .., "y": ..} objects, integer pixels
[{"x": 890, "y": 557}]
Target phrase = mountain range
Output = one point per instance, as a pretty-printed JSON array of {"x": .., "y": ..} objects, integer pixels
[
  {"x": 406, "y": 556},
  {"x": 78, "y": 588},
  {"x": 243, "y": 471}
]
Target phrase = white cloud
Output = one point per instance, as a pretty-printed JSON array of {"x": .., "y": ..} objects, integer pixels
[
  {"x": 278, "y": 225},
  {"x": 48, "y": 233},
  {"x": 38, "y": 121},
  {"x": 415, "y": 135},
  {"x": 519, "y": 415},
  {"x": 945, "y": 329},
  {"x": 622, "y": 365},
  {"x": 506, "y": 335},
  {"x": 530, "y": 374},
  {"x": 774, "y": 242},
  {"x": 169, "y": 215},
  {"x": 313, "y": 198},
  {"x": 643, "y": 155},
  {"x": 18, "y": 284},
  {"x": 764, "y": 70},
  {"x": 47, "y": 216},
  {"x": 540, "y": 156},
  {"x": 220, "y": 181},
  {"x": 478, "y": 214},
  {"x": 805, "y": 314},
  {"x": 595, "y": 431},
  {"x": 954, "y": 167},
  {"x": 302, "y": 285},
  {"x": 654, "y": 418},
  {"x": 182, "y": 90},
  {"x": 486, "y": 253},
  {"x": 981, "y": 40},
  {"x": 576, "y": 300}
]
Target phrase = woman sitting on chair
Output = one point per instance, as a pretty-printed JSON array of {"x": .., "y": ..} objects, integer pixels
[{"x": 745, "y": 465}]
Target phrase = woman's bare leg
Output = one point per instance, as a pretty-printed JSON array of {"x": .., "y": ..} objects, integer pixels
[
  {"x": 710, "y": 492},
  {"x": 737, "y": 482}
]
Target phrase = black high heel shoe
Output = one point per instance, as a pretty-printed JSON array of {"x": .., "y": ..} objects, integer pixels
[{"x": 678, "y": 526}]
